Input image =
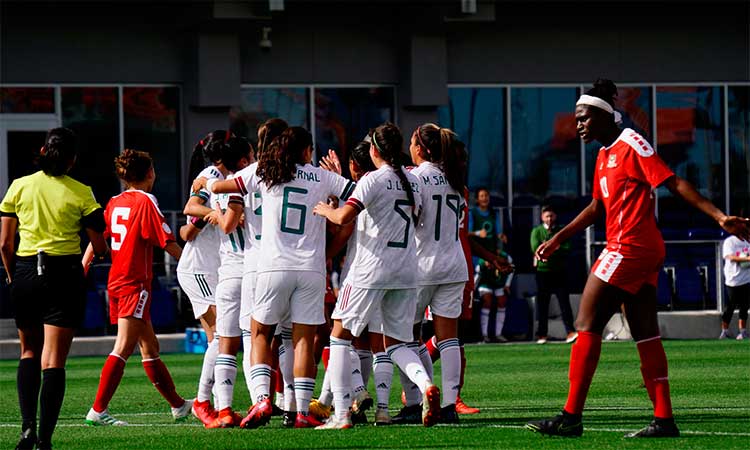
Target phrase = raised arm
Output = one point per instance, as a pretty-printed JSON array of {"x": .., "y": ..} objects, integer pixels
[
  {"x": 338, "y": 216},
  {"x": 196, "y": 206},
  {"x": 229, "y": 220}
]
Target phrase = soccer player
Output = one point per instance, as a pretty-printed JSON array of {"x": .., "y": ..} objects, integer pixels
[
  {"x": 135, "y": 225},
  {"x": 389, "y": 202},
  {"x": 626, "y": 173},
  {"x": 196, "y": 270}
]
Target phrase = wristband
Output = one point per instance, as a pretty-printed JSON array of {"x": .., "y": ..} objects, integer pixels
[
  {"x": 210, "y": 182},
  {"x": 197, "y": 222}
]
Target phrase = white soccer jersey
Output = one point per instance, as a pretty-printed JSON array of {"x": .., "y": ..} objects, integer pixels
[
  {"x": 201, "y": 255},
  {"x": 386, "y": 254},
  {"x": 232, "y": 245},
  {"x": 293, "y": 238},
  {"x": 253, "y": 220},
  {"x": 439, "y": 252},
  {"x": 736, "y": 273}
]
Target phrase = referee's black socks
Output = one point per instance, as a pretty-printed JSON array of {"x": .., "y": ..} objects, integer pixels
[
  {"x": 50, "y": 402},
  {"x": 28, "y": 381}
]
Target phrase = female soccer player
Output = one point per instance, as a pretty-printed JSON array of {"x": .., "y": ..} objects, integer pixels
[
  {"x": 291, "y": 267},
  {"x": 626, "y": 173},
  {"x": 196, "y": 270},
  {"x": 47, "y": 286},
  {"x": 135, "y": 225},
  {"x": 389, "y": 202}
]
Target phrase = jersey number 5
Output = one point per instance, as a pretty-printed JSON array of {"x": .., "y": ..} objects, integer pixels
[
  {"x": 398, "y": 207},
  {"x": 119, "y": 230}
]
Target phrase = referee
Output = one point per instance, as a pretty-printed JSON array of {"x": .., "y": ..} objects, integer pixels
[{"x": 48, "y": 209}]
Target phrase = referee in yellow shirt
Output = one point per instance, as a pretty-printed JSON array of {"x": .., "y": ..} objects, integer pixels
[{"x": 48, "y": 209}]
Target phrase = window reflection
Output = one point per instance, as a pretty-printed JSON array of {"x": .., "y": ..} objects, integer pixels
[
  {"x": 690, "y": 138},
  {"x": 27, "y": 100},
  {"x": 92, "y": 112},
  {"x": 739, "y": 148},
  {"x": 478, "y": 116},
  {"x": 546, "y": 149},
  {"x": 260, "y": 104},
  {"x": 152, "y": 124}
]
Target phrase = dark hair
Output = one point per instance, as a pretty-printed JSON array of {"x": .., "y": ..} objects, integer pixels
[
  {"x": 208, "y": 149},
  {"x": 58, "y": 152},
  {"x": 361, "y": 156},
  {"x": 480, "y": 189},
  {"x": 605, "y": 90},
  {"x": 132, "y": 166},
  {"x": 548, "y": 208},
  {"x": 442, "y": 147},
  {"x": 388, "y": 140},
  {"x": 235, "y": 149},
  {"x": 281, "y": 158},
  {"x": 267, "y": 132}
]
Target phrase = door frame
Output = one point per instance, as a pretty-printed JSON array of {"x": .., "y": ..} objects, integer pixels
[{"x": 20, "y": 122}]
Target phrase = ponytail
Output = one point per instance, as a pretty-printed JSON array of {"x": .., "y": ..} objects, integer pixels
[
  {"x": 279, "y": 164},
  {"x": 267, "y": 132},
  {"x": 388, "y": 141},
  {"x": 59, "y": 152},
  {"x": 442, "y": 147}
]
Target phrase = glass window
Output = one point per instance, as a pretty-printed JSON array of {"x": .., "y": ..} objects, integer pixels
[
  {"x": 739, "y": 148},
  {"x": 690, "y": 138},
  {"x": 260, "y": 104},
  {"x": 27, "y": 100},
  {"x": 546, "y": 148},
  {"x": 152, "y": 124},
  {"x": 92, "y": 113},
  {"x": 343, "y": 116},
  {"x": 634, "y": 103},
  {"x": 478, "y": 116}
]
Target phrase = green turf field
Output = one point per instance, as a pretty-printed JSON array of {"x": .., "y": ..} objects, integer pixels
[{"x": 511, "y": 383}]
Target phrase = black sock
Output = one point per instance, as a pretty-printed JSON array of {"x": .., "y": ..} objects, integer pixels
[
  {"x": 50, "y": 402},
  {"x": 28, "y": 381}
]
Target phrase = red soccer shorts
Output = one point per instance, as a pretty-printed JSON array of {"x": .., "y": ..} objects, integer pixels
[
  {"x": 136, "y": 305},
  {"x": 627, "y": 272}
]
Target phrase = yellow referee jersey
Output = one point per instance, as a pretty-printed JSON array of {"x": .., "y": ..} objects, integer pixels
[{"x": 49, "y": 211}]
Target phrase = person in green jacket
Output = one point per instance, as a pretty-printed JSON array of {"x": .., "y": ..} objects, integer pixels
[{"x": 551, "y": 277}]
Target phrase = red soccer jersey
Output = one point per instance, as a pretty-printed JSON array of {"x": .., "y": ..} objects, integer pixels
[
  {"x": 135, "y": 225},
  {"x": 625, "y": 175},
  {"x": 463, "y": 234}
]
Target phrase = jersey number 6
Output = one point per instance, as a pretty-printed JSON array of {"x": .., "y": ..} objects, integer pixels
[{"x": 287, "y": 205}]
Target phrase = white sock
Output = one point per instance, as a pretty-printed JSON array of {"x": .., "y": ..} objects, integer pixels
[
  {"x": 409, "y": 363},
  {"x": 365, "y": 364},
  {"x": 484, "y": 320},
  {"x": 303, "y": 391},
  {"x": 206, "y": 381},
  {"x": 247, "y": 346},
  {"x": 499, "y": 321},
  {"x": 383, "y": 374},
  {"x": 357, "y": 384},
  {"x": 339, "y": 365},
  {"x": 260, "y": 379},
  {"x": 225, "y": 373},
  {"x": 411, "y": 391},
  {"x": 424, "y": 356},
  {"x": 450, "y": 355},
  {"x": 286, "y": 367},
  {"x": 326, "y": 396}
]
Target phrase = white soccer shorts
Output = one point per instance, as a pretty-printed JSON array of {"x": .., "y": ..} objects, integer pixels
[
  {"x": 444, "y": 300},
  {"x": 200, "y": 289},
  {"x": 249, "y": 280},
  {"x": 228, "y": 302},
  {"x": 356, "y": 307},
  {"x": 294, "y": 294}
]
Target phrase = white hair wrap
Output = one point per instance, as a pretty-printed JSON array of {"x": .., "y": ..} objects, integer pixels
[{"x": 601, "y": 104}]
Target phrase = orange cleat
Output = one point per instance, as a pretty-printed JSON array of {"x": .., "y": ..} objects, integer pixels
[
  {"x": 463, "y": 408},
  {"x": 306, "y": 421},
  {"x": 258, "y": 415},
  {"x": 431, "y": 406},
  {"x": 227, "y": 419},
  {"x": 204, "y": 411}
]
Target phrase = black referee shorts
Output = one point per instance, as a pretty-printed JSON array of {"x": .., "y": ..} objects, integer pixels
[{"x": 57, "y": 297}]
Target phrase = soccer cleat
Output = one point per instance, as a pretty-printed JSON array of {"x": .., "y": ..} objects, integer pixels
[
  {"x": 408, "y": 415},
  {"x": 103, "y": 418},
  {"x": 657, "y": 428},
  {"x": 258, "y": 415},
  {"x": 382, "y": 418},
  {"x": 572, "y": 336},
  {"x": 277, "y": 411},
  {"x": 563, "y": 424},
  {"x": 28, "y": 439},
  {"x": 183, "y": 412},
  {"x": 306, "y": 421},
  {"x": 336, "y": 424},
  {"x": 204, "y": 411},
  {"x": 448, "y": 414},
  {"x": 43, "y": 446},
  {"x": 319, "y": 410},
  {"x": 288, "y": 418},
  {"x": 431, "y": 406},
  {"x": 403, "y": 397},
  {"x": 463, "y": 408},
  {"x": 725, "y": 334},
  {"x": 361, "y": 403},
  {"x": 742, "y": 335},
  {"x": 542, "y": 340},
  {"x": 501, "y": 339},
  {"x": 226, "y": 419}
]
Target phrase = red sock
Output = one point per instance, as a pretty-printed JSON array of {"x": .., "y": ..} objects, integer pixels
[
  {"x": 326, "y": 354},
  {"x": 463, "y": 368},
  {"x": 161, "y": 379},
  {"x": 584, "y": 357},
  {"x": 655, "y": 375},
  {"x": 431, "y": 345},
  {"x": 112, "y": 372},
  {"x": 277, "y": 381}
]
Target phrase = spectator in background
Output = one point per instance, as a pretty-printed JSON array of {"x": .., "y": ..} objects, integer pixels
[
  {"x": 551, "y": 277},
  {"x": 494, "y": 286},
  {"x": 736, "y": 253},
  {"x": 47, "y": 286}
]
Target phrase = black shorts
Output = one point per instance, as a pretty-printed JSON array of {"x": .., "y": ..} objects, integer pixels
[{"x": 57, "y": 297}]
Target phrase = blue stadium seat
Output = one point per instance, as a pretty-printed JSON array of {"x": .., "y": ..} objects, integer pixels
[
  {"x": 95, "y": 318},
  {"x": 163, "y": 314}
]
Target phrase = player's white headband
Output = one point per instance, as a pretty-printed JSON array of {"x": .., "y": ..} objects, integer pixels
[{"x": 590, "y": 100}]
